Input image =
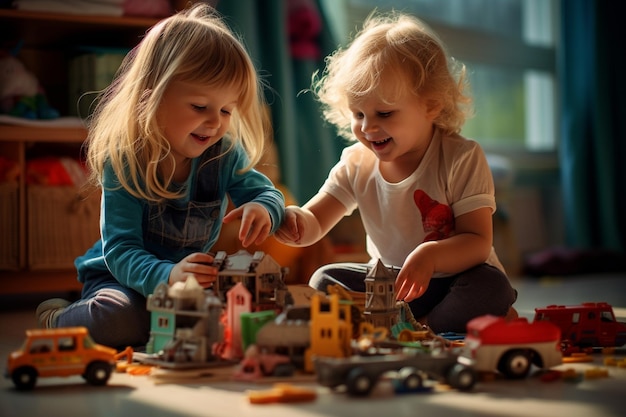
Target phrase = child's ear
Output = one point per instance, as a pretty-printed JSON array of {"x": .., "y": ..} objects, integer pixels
[{"x": 433, "y": 108}]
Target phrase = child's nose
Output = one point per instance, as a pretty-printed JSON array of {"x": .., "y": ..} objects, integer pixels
[
  {"x": 368, "y": 125},
  {"x": 212, "y": 120}
]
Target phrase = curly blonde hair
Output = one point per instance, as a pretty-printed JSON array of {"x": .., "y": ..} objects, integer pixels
[
  {"x": 192, "y": 46},
  {"x": 409, "y": 53}
]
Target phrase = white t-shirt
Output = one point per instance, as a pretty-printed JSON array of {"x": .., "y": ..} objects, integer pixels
[{"x": 452, "y": 179}]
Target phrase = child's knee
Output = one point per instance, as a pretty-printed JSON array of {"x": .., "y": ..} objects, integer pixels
[
  {"x": 328, "y": 275},
  {"x": 118, "y": 320},
  {"x": 319, "y": 280},
  {"x": 488, "y": 282}
]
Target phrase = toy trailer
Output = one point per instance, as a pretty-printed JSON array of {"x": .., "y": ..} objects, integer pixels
[
  {"x": 360, "y": 374},
  {"x": 511, "y": 347},
  {"x": 585, "y": 325}
]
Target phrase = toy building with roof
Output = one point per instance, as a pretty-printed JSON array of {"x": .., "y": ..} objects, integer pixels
[
  {"x": 193, "y": 325},
  {"x": 381, "y": 308},
  {"x": 185, "y": 322},
  {"x": 257, "y": 272}
]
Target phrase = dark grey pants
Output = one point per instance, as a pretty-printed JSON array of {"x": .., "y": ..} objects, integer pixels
[
  {"x": 448, "y": 303},
  {"x": 115, "y": 315}
]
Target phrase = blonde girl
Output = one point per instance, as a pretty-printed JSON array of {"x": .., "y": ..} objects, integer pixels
[
  {"x": 424, "y": 192},
  {"x": 178, "y": 130}
]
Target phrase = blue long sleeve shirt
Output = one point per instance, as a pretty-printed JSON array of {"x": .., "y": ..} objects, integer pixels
[{"x": 141, "y": 241}]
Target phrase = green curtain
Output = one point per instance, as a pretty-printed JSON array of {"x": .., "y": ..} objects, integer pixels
[
  {"x": 593, "y": 136},
  {"x": 307, "y": 146}
]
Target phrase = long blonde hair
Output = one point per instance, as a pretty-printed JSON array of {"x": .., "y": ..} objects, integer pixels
[
  {"x": 407, "y": 51},
  {"x": 194, "y": 46}
]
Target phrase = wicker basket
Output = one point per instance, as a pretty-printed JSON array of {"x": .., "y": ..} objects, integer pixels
[
  {"x": 62, "y": 225},
  {"x": 9, "y": 226}
]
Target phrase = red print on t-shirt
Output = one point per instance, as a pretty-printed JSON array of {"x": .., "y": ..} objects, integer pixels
[{"x": 437, "y": 218}]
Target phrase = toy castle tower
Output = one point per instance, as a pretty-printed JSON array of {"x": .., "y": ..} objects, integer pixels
[{"x": 381, "y": 309}]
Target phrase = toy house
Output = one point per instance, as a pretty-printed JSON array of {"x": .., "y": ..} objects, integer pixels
[
  {"x": 381, "y": 308},
  {"x": 185, "y": 323},
  {"x": 331, "y": 331},
  {"x": 239, "y": 301},
  {"x": 257, "y": 272}
]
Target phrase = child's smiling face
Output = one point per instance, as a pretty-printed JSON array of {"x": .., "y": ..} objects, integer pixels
[
  {"x": 194, "y": 117},
  {"x": 398, "y": 131}
]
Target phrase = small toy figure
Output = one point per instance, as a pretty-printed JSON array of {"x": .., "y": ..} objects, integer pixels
[{"x": 21, "y": 95}]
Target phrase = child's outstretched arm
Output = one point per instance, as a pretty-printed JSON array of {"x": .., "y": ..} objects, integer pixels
[
  {"x": 256, "y": 223},
  {"x": 470, "y": 246},
  {"x": 307, "y": 225}
]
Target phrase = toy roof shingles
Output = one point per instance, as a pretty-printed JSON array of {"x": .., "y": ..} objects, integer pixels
[{"x": 244, "y": 262}]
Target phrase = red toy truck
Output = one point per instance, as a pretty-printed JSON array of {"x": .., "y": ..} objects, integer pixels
[
  {"x": 585, "y": 325},
  {"x": 511, "y": 347}
]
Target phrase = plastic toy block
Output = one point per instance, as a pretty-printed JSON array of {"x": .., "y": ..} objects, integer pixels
[
  {"x": 577, "y": 358},
  {"x": 612, "y": 361},
  {"x": 282, "y": 393},
  {"x": 595, "y": 373},
  {"x": 251, "y": 323},
  {"x": 571, "y": 375}
]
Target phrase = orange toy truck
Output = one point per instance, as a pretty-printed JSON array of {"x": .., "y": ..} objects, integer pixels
[{"x": 64, "y": 351}]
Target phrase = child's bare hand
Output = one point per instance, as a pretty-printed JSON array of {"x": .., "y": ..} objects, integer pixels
[
  {"x": 293, "y": 226},
  {"x": 197, "y": 264},
  {"x": 413, "y": 278},
  {"x": 256, "y": 223}
]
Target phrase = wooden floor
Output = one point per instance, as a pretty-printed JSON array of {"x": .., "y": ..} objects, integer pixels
[{"x": 127, "y": 395}]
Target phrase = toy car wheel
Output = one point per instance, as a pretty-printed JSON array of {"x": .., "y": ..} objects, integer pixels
[
  {"x": 359, "y": 383},
  {"x": 24, "y": 378},
  {"x": 515, "y": 364},
  {"x": 98, "y": 373},
  {"x": 462, "y": 377},
  {"x": 411, "y": 380}
]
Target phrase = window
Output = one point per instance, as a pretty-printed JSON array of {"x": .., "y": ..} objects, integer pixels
[
  {"x": 607, "y": 317},
  {"x": 163, "y": 322},
  {"x": 509, "y": 49},
  {"x": 67, "y": 343},
  {"x": 41, "y": 346}
]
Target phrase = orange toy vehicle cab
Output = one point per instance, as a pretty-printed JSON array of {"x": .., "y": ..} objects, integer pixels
[{"x": 60, "y": 352}]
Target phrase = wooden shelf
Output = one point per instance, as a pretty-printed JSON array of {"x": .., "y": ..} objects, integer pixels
[
  {"x": 40, "y": 134},
  {"x": 56, "y": 31},
  {"x": 100, "y": 20},
  {"x": 27, "y": 282},
  {"x": 46, "y": 44}
]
